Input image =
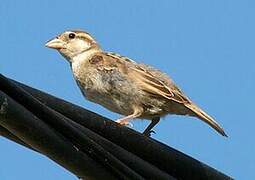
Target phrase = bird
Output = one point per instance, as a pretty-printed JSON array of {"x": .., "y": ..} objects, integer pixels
[{"x": 122, "y": 85}]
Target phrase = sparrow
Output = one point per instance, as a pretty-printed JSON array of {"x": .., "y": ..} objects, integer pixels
[{"x": 122, "y": 85}]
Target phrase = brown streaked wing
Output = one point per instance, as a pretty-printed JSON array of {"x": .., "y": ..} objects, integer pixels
[
  {"x": 147, "y": 80},
  {"x": 118, "y": 56},
  {"x": 151, "y": 84}
]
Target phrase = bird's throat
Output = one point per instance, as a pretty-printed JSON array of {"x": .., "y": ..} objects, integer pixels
[{"x": 83, "y": 56}]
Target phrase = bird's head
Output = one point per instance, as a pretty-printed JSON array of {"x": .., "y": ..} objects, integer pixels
[{"x": 72, "y": 43}]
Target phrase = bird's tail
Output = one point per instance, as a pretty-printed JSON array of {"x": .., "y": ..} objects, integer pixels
[{"x": 206, "y": 118}]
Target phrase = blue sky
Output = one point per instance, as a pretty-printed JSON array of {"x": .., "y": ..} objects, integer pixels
[{"x": 207, "y": 47}]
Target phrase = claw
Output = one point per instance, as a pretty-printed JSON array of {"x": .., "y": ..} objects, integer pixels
[
  {"x": 148, "y": 133},
  {"x": 151, "y": 131}
]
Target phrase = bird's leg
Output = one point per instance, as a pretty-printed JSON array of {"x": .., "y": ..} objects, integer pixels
[
  {"x": 125, "y": 120},
  {"x": 148, "y": 130}
]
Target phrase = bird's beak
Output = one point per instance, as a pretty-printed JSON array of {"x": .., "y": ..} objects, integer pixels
[{"x": 55, "y": 43}]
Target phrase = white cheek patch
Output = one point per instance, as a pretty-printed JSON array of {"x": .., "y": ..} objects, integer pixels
[{"x": 80, "y": 45}]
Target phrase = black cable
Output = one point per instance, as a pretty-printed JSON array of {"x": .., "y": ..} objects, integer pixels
[
  {"x": 7, "y": 134},
  {"x": 37, "y": 134}
]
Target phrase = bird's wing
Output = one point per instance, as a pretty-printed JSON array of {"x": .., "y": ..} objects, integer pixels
[
  {"x": 157, "y": 83},
  {"x": 148, "y": 79}
]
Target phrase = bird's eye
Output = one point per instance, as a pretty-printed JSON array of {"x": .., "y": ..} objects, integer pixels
[{"x": 71, "y": 35}]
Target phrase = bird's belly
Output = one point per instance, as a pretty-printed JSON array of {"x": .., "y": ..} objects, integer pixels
[
  {"x": 122, "y": 102},
  {"x": 110, "y": 102},
  {"x": 114, "y": 94}
]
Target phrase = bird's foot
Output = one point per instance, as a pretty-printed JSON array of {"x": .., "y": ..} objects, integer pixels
[
  {"x": 148, "y": 133},
  {"x": 124, "y": 122}
]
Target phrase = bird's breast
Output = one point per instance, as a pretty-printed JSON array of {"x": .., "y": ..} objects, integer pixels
[{"x": 108, "y": 90}]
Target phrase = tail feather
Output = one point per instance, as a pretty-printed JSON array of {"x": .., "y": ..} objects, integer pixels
[{"x": 206, "y": 118}]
